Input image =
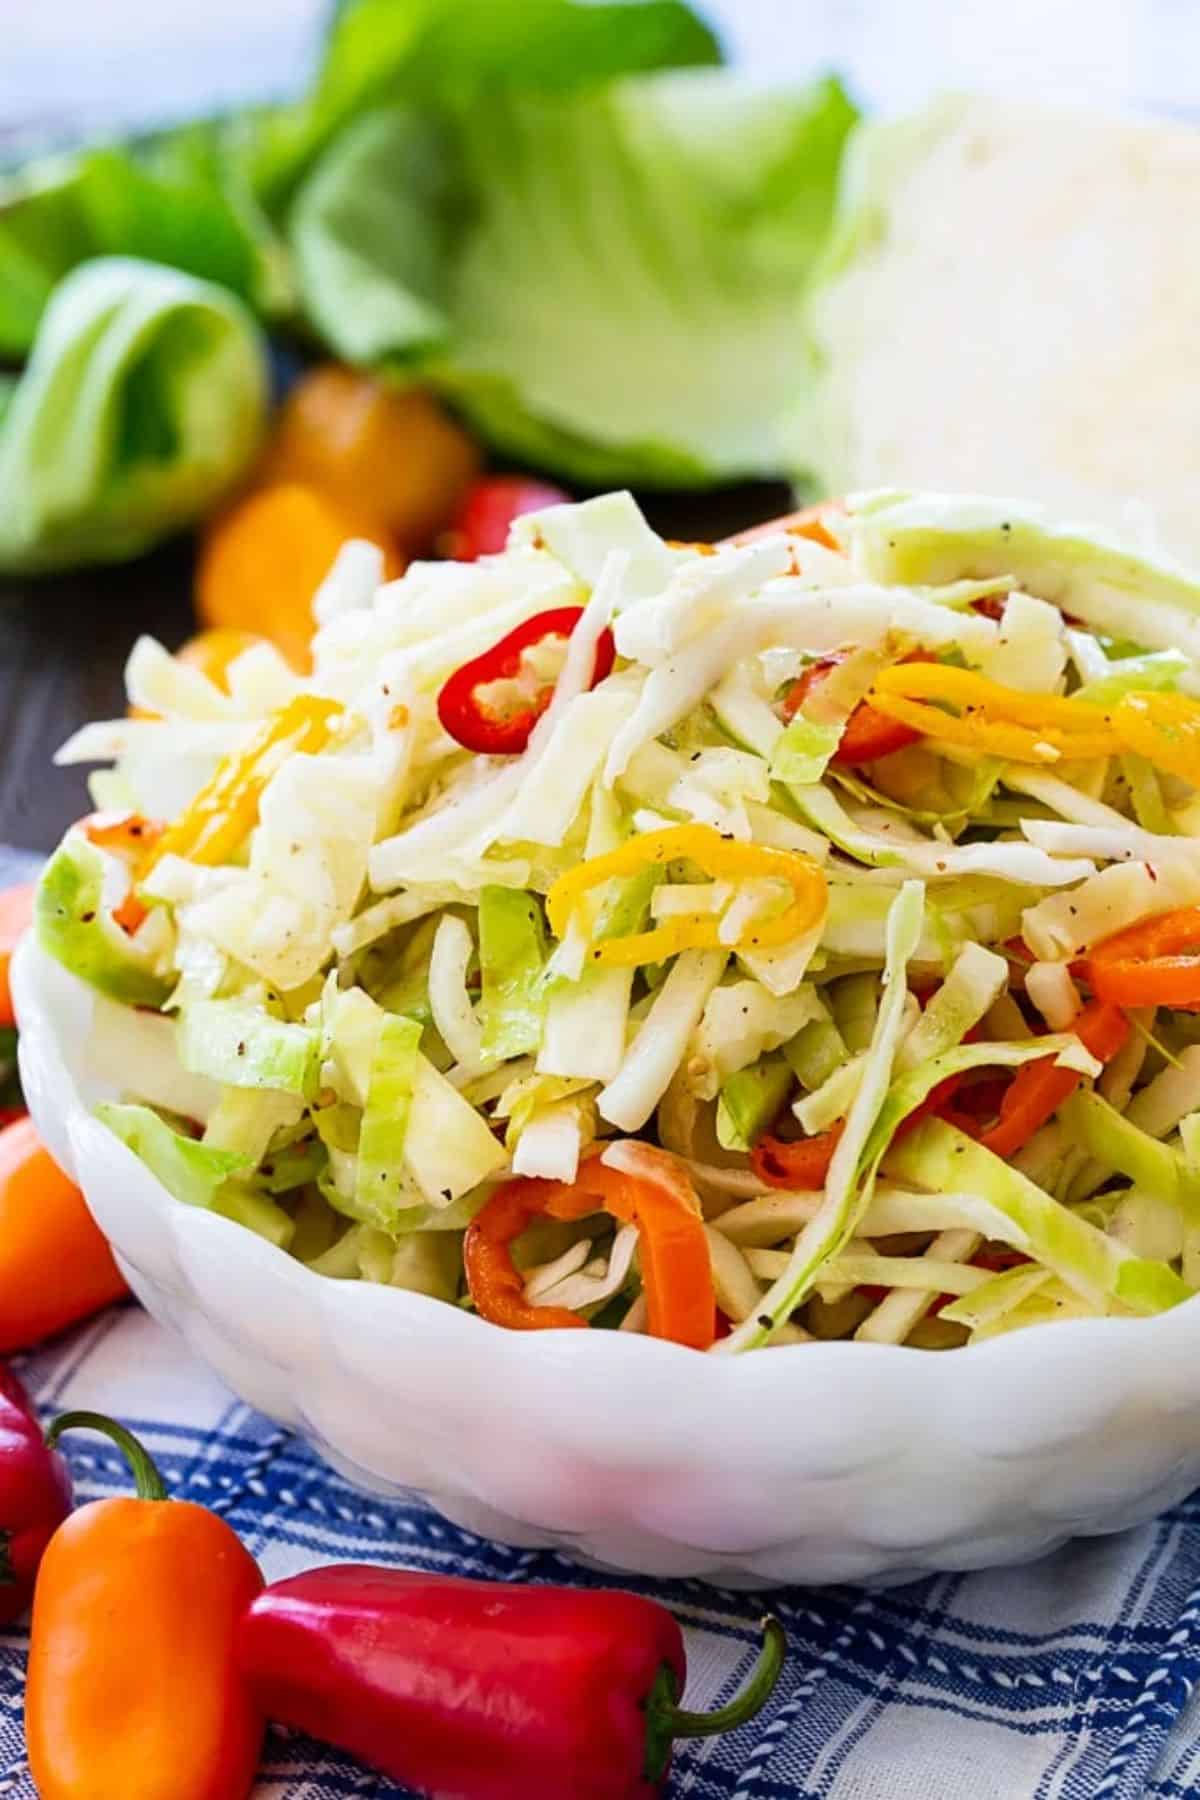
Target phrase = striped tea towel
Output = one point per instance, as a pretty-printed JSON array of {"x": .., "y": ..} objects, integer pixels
[{"x": 1068, "y": 1680}]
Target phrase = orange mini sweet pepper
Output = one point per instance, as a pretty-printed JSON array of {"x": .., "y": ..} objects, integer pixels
[
  {"x": 55, "y": 1265},
  {"x": 134, "y": 1691}
]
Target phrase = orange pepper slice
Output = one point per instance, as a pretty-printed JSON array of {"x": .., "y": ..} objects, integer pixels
[
  {"x": 655, "y": 1195},
  {"x": 813, "y": 522},
  {"x": 55, "y": 1265},
  {"x": 1153, "y": 963},
  {"x": 1038, "y": 1089}
]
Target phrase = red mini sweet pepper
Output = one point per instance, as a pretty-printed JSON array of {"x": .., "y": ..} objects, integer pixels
[
  {"x": 482, "y": 724},
  {"x": 35, "y": 1497},
  {"x": 472, "y": 1690},
  {"x": 488, "y": 510}
]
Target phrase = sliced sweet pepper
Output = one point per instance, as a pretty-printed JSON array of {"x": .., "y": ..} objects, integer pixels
[
  {"x": 869, "y": 734},
  {"x": 1165, "y": 729},
  {"x": 479, "y": 721},
  {"x": 813, "y": 522},
  {"x": 722, "y": 858},
  {"x": 800, "y": 1165},
  {"x": 989, "y": 717},
  {"x": 226, "y": 807},
  {"x": 1038, "y": 1089},
  {"x": 1153, "y": 963},
  {"x": 654, "y": 1194}
]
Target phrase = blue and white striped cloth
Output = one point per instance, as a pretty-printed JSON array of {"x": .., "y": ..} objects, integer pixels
[{"x": 1070, "y": 1680}]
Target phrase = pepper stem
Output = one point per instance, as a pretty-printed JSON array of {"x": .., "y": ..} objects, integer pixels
[
  {"x": 667, "y": 1721},
  {"x": 148, "y": 1481}
]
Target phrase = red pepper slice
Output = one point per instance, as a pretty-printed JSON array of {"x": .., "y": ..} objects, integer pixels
[
  {"x": 803, "y": 1164},
  {"x": 869, "y": 734},
  {"x": 463, "y": 708},
  {"x": 1038, "y": 1089}
]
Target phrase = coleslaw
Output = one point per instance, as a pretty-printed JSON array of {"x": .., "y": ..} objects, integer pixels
[{"x": 791, "y": 938}]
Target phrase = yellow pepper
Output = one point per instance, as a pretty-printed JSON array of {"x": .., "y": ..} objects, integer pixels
[
  {"x": 995, "y": 720},
  {"x": 1165, "y": 729},
  {"x": 392, "y": 452},
  {"x": 263, "y": 558},
  {"x": 226, "y": 807},
  {"x": 721, "y": 858}
]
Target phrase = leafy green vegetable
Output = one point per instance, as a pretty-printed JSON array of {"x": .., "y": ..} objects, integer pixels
[
  {"x": 76, "y": 928},
  {"x": 815, "y": 1053},
  {"x": 398, "y": 271},
  {"x": 940, "y": 1158},
  {"x": 512, "y": 956},
  {"x": 749, "y": 1101},
  {"x": 242, "y": 1046},
  {"x": 1116, "y": 1142},
  {"x": 181, "y": 199},
  {"x": 623, "y": 301},
  {"x": 381, "y": 1185},
  {"x": 803, "y": 751},
  {"x": 143, "y": 401},
  {"x": 851, "y": 1177},
  {"x": 381, "y": 51},
  {"x": 904, "y": 537},
  {"x": 192, "y": 1171},
  {"x": 1159, "y": 670}
]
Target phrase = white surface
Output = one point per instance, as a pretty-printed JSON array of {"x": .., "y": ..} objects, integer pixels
[
  {"x": 1028, "y": 261},
  {"x": 70, "y": 64},
  {"x": 819, "y": 1462}
]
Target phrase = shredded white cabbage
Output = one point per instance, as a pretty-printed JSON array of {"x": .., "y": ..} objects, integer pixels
[{"x": 377, "y": 1023}]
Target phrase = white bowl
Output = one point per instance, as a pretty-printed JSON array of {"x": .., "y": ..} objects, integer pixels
[{"x": 812, "y": 1463}]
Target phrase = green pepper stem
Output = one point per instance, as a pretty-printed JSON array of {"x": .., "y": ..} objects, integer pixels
[
  {"x": 751, "y": 1700},
  {"x": 148, "y": 1481},
  {"x": 666, "y": 1721}
]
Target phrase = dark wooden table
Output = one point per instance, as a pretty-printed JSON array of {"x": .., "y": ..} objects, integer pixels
[{"x": 64, "y": 640}]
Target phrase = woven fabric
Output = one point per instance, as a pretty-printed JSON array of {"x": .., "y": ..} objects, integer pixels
[{"x": 1068, "y": 1680}]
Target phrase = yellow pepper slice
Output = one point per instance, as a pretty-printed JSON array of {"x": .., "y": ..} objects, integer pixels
[
  {"x": 226, "y": 808},
  {"x": 721, "y": 858},
  {"x": 1165, "y": 729},
  {"x": 993, "y": 719}
]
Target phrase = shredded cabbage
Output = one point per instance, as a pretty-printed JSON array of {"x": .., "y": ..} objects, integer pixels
[{"x": 349, "y": 1020}]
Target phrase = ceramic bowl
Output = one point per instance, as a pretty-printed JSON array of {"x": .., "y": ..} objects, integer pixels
[{"x": 810, "y": 1463}]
